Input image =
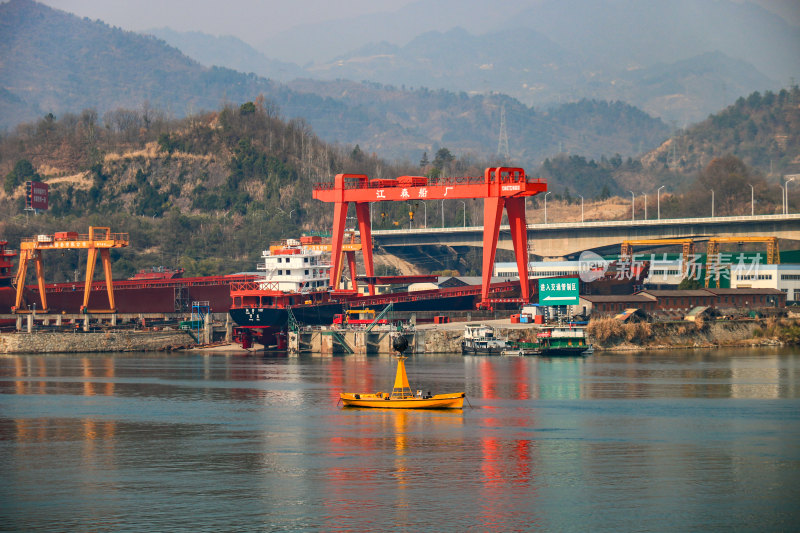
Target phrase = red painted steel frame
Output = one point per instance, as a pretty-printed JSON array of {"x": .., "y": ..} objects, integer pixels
[{"x": 500, "y": 187}]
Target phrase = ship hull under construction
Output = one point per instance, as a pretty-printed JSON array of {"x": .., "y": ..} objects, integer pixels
[
  {"x": 323, "y": 314},
  {"x": 133, "y": 296}
]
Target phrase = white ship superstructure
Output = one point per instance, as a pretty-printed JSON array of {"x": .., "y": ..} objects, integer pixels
[{"x": 293, "y": 267}]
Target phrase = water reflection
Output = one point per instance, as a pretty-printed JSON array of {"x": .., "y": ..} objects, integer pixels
[{"x": 248, "y": 443}]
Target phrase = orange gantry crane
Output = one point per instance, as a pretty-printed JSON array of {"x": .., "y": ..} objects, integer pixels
[
  {"x": 98, "y": 240},
  {"x": 713, "y": 258},
  {"x": 500, "y": 187},
  {"x": 687, "y": 249}
]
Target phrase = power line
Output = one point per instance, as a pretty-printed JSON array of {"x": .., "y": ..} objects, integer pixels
[{"x": 502, "y": 142}]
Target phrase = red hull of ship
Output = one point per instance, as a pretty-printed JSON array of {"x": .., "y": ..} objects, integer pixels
[{"x": 133, "y": 296}]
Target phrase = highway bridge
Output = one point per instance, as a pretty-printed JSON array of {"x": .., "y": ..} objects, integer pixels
[{"x": 568, "y": 239}]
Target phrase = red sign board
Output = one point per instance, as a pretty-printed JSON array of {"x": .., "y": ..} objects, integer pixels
[{"x": 36, "y": 195}]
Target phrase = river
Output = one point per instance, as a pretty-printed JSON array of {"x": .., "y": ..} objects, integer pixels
[{"x": 705, "y": 440}]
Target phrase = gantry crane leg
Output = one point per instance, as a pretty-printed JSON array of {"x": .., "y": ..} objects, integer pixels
[
  {"x": 492, "y": 215},
  {"x": 337, "y": 240},
  {"x": 87, "y": 289},
  {"x": 337, "y": 282},
  {"x": 351, "y": 263},
  {"x": 25, "y": 257},
  {"x": 365, "y": 230},
  {"x": 40, "y": 279},
  {"x": 22, "y": 270},
  {"x": 105, "y": 256},
  {"x": 515, "y": 207}
]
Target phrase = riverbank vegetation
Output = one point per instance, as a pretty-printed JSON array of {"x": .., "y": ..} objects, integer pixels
[
  {"x": 209, "y": 192},
  {"x": 608, "y": 333}
]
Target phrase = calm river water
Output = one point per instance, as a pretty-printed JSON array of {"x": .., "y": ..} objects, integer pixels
[{"x": 658, "y": 441}]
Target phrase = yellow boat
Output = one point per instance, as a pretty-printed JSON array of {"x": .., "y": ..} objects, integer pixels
[{"x": 402, "y": 397}]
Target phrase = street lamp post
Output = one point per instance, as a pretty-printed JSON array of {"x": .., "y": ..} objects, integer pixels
[
  {"x": 752, "y": 201},
  {"x": 645, "y": 205},
  {"x": 581, "y": 208},
  {"x": 786, "y": 192},
  {"x": 783, "y": 197},
  {"x": 464, "y": 206},
  {"x": 712, "y": 203},
  {"x": 658, "y": 196},
  {"x": 426, "y": 213},
  {"x": 442, "y": 212},
  {"x": 545, "y": 206},
  {"x": 633, "y": 206}
]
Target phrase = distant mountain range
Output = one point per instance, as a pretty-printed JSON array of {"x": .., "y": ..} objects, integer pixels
[
  {"x": 535, "y": 70},
  {"x": 58, "y": 63},
  {"x": 679, "y": 60}
]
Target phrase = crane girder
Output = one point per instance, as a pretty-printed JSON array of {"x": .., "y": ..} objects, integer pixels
[
  {"x": 500, "y": 188},
  {"x": 99, "y": 239}
]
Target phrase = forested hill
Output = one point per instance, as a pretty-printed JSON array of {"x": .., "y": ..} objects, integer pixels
[
  {"x": 209, "y": 192},
  {"x": 206, "y": 193},
  {"x": 763, "y": 130},
  {"x": 54, "y": 62},
  {"x": 57, "y": 62},
  {"x": 754, "y": 142}
]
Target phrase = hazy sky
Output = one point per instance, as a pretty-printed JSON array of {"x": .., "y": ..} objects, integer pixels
[
  {"x": 250, "y": 20},
  {"x": 259, "y": 22}
]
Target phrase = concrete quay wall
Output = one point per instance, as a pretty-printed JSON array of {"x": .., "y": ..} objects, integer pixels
[
  {"x": 79, "y": 342},
  {"x": 436, "y": 340},
  {"x": 431, "y": 339},
  {"x": 447, "y": 338}
]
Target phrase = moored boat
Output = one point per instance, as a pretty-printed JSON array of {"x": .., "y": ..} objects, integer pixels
[
  {"x": 566, "y": 340},
  {"x": 402, "y": 397},
  {"x": 520, "y": 348},
  {"x": 481, "y": 339}
]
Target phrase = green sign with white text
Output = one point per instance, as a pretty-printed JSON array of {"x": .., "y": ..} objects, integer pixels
[{"x": 561, "y": 291}]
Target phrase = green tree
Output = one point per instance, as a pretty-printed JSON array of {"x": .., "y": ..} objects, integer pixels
[
  {"x": 688, "y": 284},
  {"x": 23, "y": 171},
  {"x": 247, "y": 108},
  {"x": 443, "y": 157}
]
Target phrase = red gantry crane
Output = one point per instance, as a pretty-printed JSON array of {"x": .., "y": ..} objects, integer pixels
[
  {"x": 500, "y": 187},
  {"x": 98, "y": 240}
]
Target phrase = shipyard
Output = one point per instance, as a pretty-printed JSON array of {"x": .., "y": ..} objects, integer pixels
[
  {"x": 407, "y": 265},
  {"x": 296, "y": 301}
]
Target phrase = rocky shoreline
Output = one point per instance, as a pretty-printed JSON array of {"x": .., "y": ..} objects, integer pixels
[
  {"x": 683, "y": 335},
  {"x": 94, "y": 342},
  {"x": 606, "y": 335}
]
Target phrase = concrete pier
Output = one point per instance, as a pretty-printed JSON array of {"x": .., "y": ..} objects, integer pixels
[
  {"x": 332, "y": 341},
  {"x": 429, "y": 338}
]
